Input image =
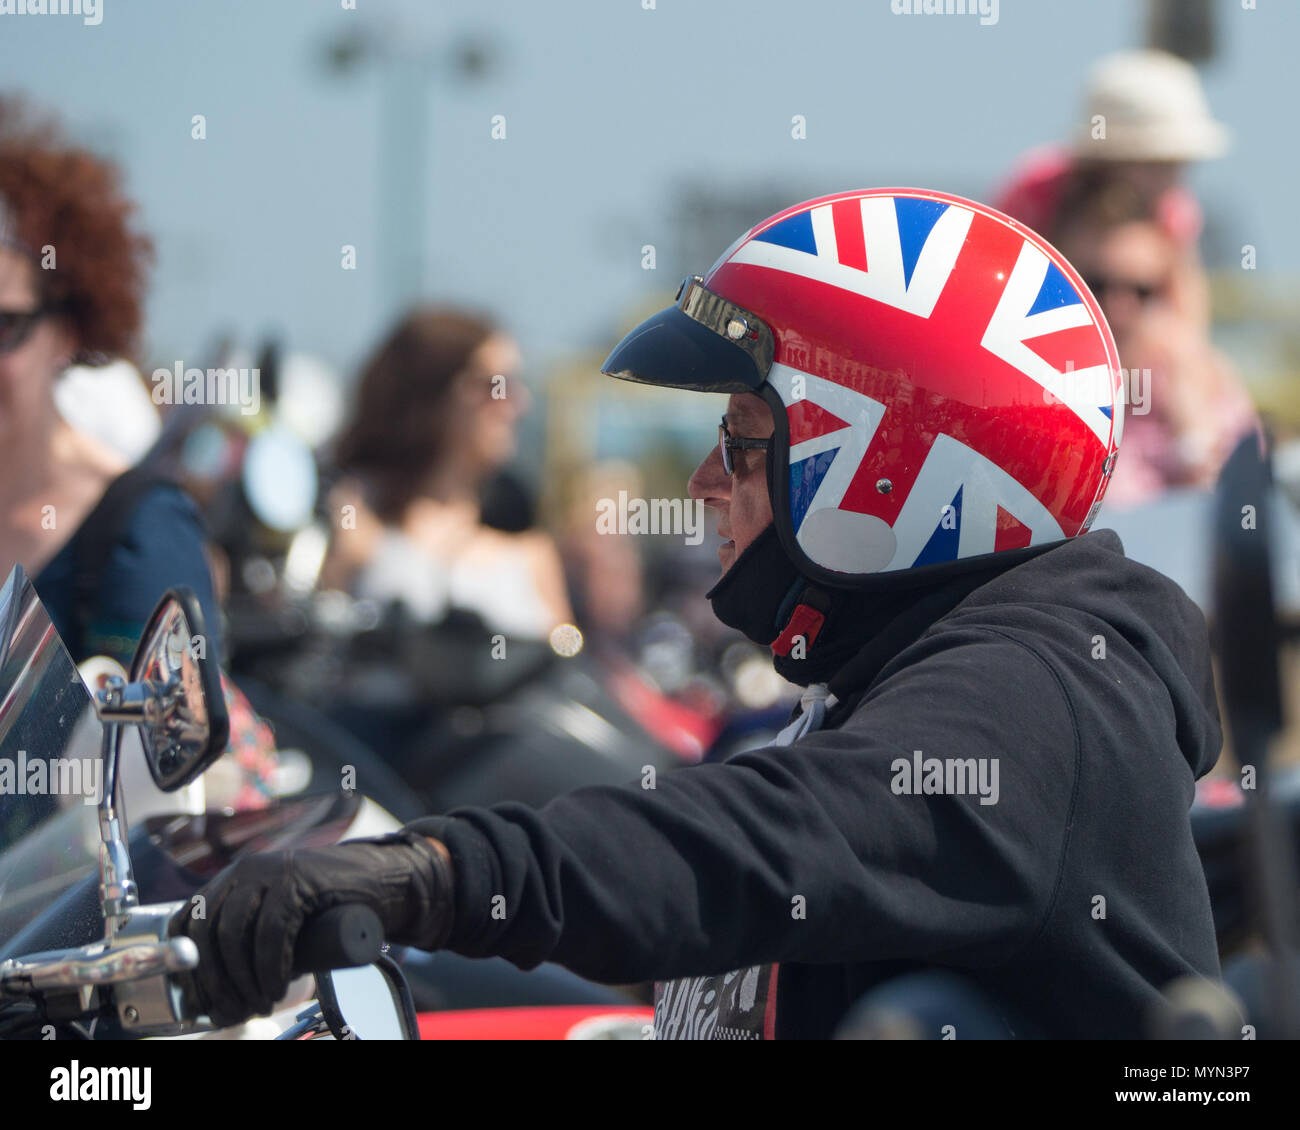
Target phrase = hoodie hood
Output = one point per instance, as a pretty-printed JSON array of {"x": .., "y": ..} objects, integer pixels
[
  {"x": 1106, "y": 623},
  {"x": 1152, "y": 616},
  {"x": 765, "y": 596}
]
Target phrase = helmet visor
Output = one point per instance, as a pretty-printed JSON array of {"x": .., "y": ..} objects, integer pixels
[{"x": 702, "y": 342}]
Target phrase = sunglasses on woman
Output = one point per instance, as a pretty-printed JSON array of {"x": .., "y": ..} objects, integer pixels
[
  {"x": 16, "y": 326},
  {"x": 1142, "y": 289}
]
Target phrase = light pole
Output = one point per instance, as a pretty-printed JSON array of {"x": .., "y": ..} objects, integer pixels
[{"x": 406, "y": 68}]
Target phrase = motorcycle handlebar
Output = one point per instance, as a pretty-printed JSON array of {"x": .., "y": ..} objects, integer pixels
[{"x": 339, "y": 938}]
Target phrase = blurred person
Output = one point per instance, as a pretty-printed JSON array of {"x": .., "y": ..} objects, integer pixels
[
  {"x": 605, "y": 571},
  {"x": 102, "y": 540},
  {"x": 646, "y": 655},
  {"x": 908, "y": 530},
  {"x": 1187, "y": 408},
  {"x": 1144, "y": 120},
  {"x": 434, "y": 420}
]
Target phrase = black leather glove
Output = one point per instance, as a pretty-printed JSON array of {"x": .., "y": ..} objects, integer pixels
[{"x": 255, "y": 909}]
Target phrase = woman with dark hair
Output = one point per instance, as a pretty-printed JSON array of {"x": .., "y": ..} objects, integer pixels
[
  {"x": 433, "y": 423},
  {"x": 435, "y": 416},
  {"x": 101, "y": 543}
]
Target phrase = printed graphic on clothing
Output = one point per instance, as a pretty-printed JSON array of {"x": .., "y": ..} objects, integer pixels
[{"x": 727, "y": 1006}]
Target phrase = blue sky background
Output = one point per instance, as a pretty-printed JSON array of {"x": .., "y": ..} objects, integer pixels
[{"x": 611, "y": 111}]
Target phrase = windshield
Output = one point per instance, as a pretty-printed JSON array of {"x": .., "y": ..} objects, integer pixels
[{"x": 50, "y": 780}]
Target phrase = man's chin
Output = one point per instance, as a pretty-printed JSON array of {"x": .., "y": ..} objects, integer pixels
[{"x": 727, "y": 555}]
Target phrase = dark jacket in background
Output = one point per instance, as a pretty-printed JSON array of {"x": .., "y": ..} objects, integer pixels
[{"x": 142, "y": 538}]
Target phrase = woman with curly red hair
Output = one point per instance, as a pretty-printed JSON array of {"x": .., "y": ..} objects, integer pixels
[
  {"x": 102, "y": 543},
  {"x": 101, "y": 540}
]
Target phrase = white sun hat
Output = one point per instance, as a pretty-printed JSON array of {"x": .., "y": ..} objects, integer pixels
[{"x": 1147, "y": 106}]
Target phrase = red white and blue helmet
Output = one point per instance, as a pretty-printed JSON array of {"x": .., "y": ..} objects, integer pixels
[{"x": 944, "y": 385}]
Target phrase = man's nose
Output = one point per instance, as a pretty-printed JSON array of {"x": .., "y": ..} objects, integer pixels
[{"x": 710, "y": 482}]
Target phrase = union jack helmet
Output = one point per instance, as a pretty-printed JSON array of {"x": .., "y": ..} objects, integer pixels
[{"x": 944, "y": 386}]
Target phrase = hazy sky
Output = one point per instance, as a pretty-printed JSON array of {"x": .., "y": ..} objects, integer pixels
[{"x": 610, "y": 109}]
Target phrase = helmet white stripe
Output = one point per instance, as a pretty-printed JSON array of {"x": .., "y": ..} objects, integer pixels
[
  {"x": 884, "y": 279},
  {"x": 1084, "y": 390}
]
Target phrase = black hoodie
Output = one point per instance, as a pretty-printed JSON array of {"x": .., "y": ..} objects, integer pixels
[{"x": 775, "y": 888}]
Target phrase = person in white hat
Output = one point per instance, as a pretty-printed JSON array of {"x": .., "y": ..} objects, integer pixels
[
  {"x": 1145, "y": 118},
  {"x": 1112, "y": 201},
  {"x": 1148, "y": 106}
]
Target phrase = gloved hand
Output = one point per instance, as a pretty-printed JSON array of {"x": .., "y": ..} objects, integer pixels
[{"x": 255, "y": 909}]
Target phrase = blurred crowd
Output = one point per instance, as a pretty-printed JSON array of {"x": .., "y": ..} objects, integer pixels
[{"x": 365, "y": 568}]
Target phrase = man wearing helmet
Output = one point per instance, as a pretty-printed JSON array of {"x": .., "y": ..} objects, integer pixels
[{"x": 992, "y": 764}]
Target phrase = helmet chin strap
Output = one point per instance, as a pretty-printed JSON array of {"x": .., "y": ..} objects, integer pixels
[{"x": 803, "y": 612}]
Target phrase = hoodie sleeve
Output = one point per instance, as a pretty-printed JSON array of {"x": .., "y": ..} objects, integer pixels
[{"x": 811, "y": 852}]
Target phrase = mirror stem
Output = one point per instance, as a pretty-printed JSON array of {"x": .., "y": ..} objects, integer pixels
[{"x": 117, "y": 889}]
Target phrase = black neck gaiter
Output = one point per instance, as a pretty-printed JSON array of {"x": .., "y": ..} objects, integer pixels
[
  {"x": 749, "y": 595},
  {"x": 760, "y": 591}
]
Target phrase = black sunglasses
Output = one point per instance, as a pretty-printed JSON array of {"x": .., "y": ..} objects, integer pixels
[
  {"x": 16, "y": 326},
  {"x": 1142, "y": 291},
  {"x": 728, "y": 443}
]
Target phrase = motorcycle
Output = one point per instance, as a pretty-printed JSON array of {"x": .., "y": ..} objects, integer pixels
[
  {"x": 87, "y": 898},
  {"x": 56, "y": 977}
]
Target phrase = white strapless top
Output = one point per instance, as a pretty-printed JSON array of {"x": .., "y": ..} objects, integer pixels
[{"x": 502, "y": 592}]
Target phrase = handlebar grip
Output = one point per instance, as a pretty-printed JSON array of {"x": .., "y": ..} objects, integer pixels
[{"x": 338, "y": 938}]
